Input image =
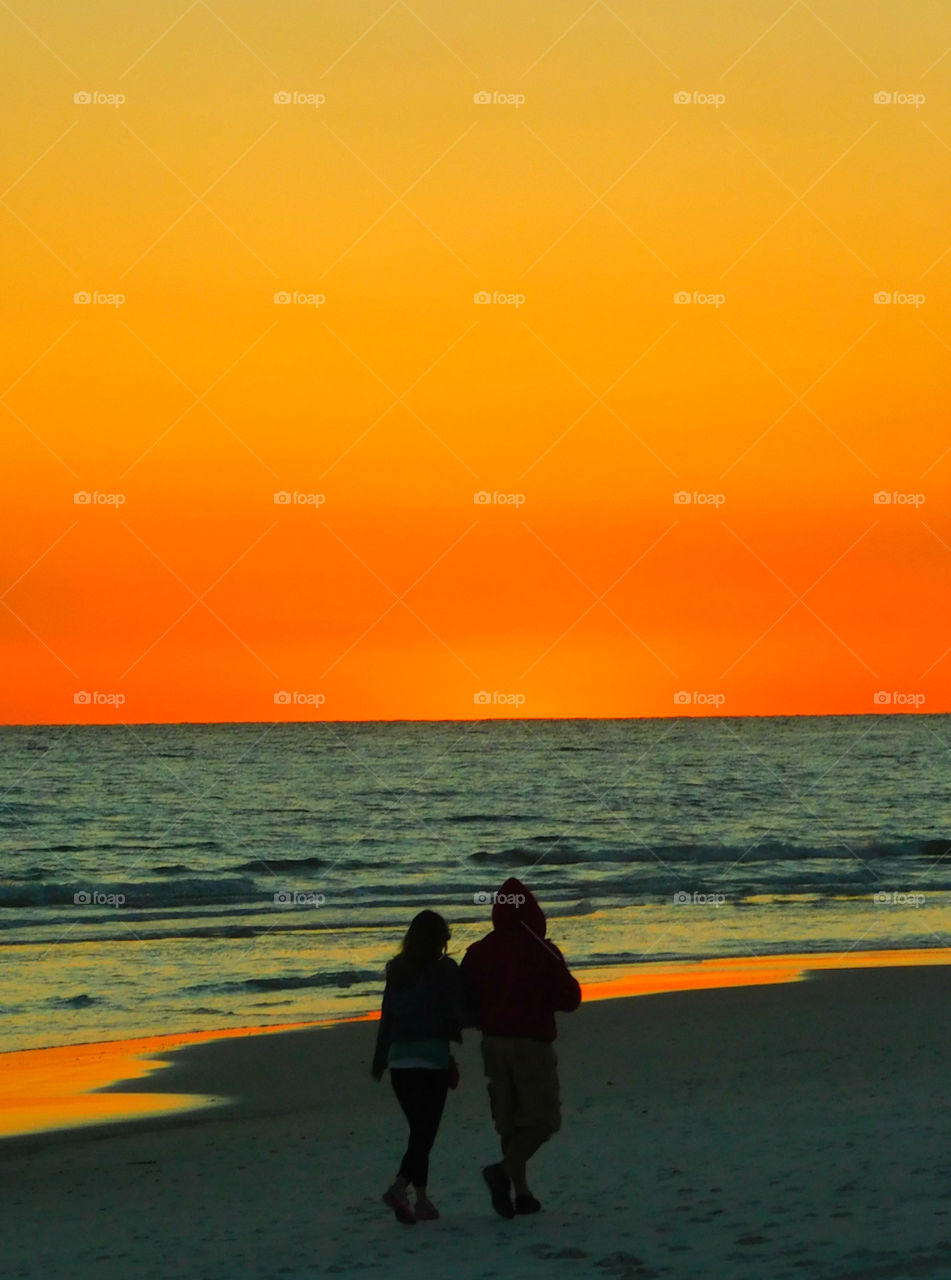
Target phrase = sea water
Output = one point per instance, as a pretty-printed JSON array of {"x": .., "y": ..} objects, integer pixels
[{"x": 158, "y": 878}]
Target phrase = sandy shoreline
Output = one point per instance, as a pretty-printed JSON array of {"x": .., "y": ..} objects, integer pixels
[
  {"x": 769, "y": 1131},
  {"x": 76, "y": 1091}
]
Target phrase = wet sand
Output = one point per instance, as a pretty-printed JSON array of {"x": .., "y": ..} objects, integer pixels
[{"x": 794, "y": 1128}]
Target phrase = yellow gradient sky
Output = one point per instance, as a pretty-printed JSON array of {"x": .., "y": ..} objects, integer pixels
[{"x": 629, "y": 153}]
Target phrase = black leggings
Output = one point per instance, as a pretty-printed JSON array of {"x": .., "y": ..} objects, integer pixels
[{"x": 422, "y": 1095}]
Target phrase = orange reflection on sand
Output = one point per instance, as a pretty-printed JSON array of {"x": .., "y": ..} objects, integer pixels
[
  {"x": 57, "y": 1088},
  {"x": 744, "y": 971},
  {"x": 43, "y": 1089}
]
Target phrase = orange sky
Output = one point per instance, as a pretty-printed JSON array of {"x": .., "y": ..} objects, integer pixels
[{"x": 588, "y": 196}]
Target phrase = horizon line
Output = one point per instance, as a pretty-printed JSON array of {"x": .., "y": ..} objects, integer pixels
[{"x": 752, "y": 715}]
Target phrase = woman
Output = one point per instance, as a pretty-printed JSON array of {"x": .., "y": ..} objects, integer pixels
[{"x": 423, "y": 1009}]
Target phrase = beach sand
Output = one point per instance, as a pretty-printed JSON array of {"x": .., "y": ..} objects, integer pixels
[{"x": 762, "y": 1132}]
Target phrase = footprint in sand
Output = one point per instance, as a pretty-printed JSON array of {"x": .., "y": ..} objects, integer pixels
[
  {"x": 625, "y": 1266},
  {"x": 545, "y": 1251}
]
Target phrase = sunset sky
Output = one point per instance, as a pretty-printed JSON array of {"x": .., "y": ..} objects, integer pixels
[{"x": 733, "y": 153}]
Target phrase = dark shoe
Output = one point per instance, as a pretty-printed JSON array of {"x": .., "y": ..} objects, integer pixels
[
  {"x": 497, "y": 1180},
  {"x": 526, "y": 1204},
  {"x": 398, "y": 1201},
  {"x": 426, "y": 1211}
]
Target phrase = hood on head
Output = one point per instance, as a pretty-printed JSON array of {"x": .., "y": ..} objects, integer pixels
[{"x": 516, "y": 907}]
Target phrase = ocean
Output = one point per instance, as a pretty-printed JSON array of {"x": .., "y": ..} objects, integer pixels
[{"x": 163, "y": 878}]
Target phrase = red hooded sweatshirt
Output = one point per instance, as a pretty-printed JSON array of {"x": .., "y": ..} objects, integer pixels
[{"x": 514, "y": 977}]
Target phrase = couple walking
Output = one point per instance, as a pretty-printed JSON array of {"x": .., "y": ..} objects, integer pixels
[{"x": 509, "y": 985}]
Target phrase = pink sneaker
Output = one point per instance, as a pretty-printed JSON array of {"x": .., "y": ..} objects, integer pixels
[
  {"x": 426, "y": 1211},
  {"x": 397, "y": 1200}
]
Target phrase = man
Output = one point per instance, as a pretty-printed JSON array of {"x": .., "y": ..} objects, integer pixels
[{"x": 516, "y": 980}]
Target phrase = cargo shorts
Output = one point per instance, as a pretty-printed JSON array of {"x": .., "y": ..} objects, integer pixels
[{"x": 523, "y": 1084}]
